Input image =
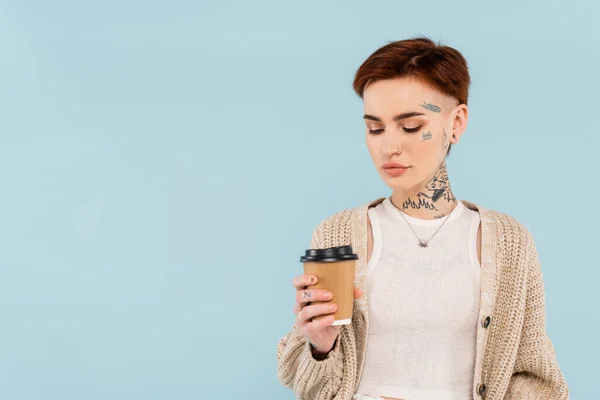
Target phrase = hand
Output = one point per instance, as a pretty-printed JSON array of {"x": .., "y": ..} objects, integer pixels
[{"x": 320, "y": 333}]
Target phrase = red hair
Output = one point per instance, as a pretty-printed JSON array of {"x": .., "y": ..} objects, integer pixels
[{"x": 442, "y": 68}]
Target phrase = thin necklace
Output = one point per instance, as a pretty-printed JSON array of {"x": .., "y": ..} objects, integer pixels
[{"x": 422, "y": 242}]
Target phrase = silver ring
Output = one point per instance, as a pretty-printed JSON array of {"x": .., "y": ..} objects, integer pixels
[{"x": 304, "y": 296}]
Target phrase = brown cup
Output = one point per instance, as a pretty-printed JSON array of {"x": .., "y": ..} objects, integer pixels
[{"x": 335, "y": 268}]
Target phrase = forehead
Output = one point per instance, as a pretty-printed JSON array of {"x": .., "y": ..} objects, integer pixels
[{"x": 397, "y": 95}]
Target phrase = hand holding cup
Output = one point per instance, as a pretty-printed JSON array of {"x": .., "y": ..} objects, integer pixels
[{"x": 312, "y": 303}]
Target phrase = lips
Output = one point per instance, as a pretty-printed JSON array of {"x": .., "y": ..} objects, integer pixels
[
  {"x": 394, "y": 169},
  {"x": 393, "y": 165}
]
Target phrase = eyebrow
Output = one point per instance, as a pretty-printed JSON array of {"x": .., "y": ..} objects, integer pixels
[{"x": 396, "y": 118}]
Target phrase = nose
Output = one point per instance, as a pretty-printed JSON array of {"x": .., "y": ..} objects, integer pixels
[{"x": 391, "y": 143}]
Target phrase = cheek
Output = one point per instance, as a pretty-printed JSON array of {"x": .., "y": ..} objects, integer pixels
[
  {"x": 422, "y": 147},
  {"x": 425, "y": 152},
  {"x": 431, "y": 146}
]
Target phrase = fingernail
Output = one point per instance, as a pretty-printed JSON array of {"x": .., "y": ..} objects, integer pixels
[{"x": 328, "y": 296}]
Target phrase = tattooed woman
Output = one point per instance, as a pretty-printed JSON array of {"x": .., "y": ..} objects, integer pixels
[{"x": 449, "y": 295}]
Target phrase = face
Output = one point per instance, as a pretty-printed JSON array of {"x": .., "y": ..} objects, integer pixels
[{"x": 411, "y": 125}]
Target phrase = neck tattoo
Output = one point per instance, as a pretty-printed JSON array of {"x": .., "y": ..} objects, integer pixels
[{"x": 436, "y": 189}]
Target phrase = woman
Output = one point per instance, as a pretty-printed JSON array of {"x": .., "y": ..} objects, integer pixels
[{"x": 449, "y": 295}]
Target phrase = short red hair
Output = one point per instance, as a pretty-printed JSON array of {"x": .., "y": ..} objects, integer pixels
[{"x": 441, "y": 67}]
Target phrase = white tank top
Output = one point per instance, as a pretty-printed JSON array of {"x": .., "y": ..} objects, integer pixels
[{"x": 423, "y": 306}]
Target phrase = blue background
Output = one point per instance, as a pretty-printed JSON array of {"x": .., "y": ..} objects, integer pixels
[{"x": 163, "y": 165}]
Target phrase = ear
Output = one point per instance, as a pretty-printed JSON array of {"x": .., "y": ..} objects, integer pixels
[{"x": 459, "y": 122}]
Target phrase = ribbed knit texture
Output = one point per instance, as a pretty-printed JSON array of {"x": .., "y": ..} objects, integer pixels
[
  {"x": 515, "y": 358},
  {"x": 424, "y": 306}
]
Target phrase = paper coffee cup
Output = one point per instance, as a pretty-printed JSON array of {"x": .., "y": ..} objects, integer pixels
[{"x": 335, "y": 268}]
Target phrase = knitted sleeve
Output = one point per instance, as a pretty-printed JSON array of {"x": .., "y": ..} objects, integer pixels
[
  {"x": 308, "y": 378},
  {"x": 536, "y": 373},
  {"x": 312, "y": 379}
]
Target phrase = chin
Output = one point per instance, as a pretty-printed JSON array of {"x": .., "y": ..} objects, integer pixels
[{"x": 402, "y": 184}]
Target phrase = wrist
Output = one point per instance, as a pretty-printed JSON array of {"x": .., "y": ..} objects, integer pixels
[{"x": 317, "y": 352}]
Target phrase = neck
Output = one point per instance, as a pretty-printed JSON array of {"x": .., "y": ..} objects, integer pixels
[{"x": 431, "y": 200}]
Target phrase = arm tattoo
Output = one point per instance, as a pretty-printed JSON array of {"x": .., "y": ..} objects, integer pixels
[{"x": 430, "y": 107}]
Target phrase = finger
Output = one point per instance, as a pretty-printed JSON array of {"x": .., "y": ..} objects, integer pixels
[
  {"x": 310, "y": 295},
  {"x": 357, "y": 293},
  {"x": 315, "y": 310},
  {"x": 300, "y": 322},
  {"x": 298, "y": 307},
  {"x": 303, "y": 319},
  {"x": 302, "y": 281},
  {"x": 318, "y": 325}
]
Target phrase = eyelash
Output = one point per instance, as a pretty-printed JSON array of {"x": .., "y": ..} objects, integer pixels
[{"x": 407, "y": 130}]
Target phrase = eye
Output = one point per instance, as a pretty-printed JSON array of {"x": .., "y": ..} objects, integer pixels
[
  {"x": 412, "y": 130},
  {"x": 375, "y": 131}
]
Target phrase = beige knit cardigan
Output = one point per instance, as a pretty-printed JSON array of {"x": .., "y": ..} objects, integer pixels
[{"x": 515, "y": 358}]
